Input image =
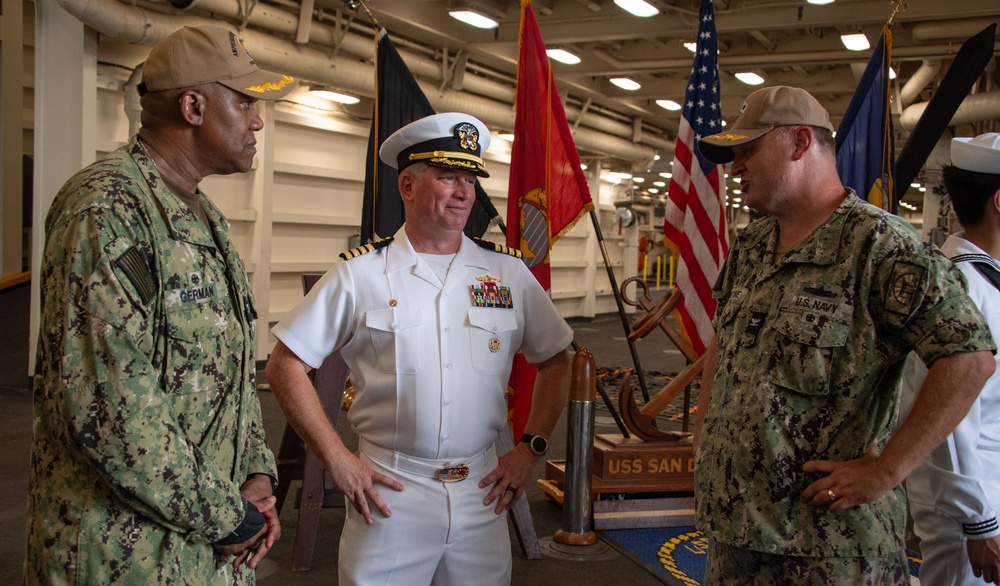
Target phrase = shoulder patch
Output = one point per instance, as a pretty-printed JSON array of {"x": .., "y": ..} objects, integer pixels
[
  {"x": 498, "y": 247},
  {"x": 133, "y": 264},
  {"x": 905, "y": 282},
  {"x": 365, "y": 248}
]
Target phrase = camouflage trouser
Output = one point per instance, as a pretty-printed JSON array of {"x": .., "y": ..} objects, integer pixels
[{"x": 734, "y": 566}]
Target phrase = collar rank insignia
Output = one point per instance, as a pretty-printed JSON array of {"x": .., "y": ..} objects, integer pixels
[{"x": 490, "y": 294}]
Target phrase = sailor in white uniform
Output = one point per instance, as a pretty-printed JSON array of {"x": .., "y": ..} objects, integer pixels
[
  {"x": 954, "y": 495},
  {"x": 428, "y": 323}
]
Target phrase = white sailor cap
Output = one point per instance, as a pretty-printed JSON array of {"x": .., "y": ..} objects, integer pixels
[
  {"x": 451, "y": 140},
  {"x": 980, "y": 154}
]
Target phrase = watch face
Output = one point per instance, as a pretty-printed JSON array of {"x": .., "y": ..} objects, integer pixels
[{"x": 539, "y": 445}]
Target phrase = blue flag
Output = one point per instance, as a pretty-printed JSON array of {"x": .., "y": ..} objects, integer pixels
[{"x": 865, "y": 157}]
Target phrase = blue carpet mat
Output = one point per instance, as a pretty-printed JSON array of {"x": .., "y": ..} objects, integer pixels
[{"x": 676, "y": 555}]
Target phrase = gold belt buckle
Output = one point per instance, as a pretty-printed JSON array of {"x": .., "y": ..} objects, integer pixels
[{"x": 452, "y": 473}]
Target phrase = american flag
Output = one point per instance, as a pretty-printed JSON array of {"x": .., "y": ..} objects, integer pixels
[{"x": 695, "y": 222}]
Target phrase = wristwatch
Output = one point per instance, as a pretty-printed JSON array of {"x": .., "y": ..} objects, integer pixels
[{"x": 536, "y": 443}]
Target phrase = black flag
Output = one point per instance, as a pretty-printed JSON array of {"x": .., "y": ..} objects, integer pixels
[
  {"x": 967, "y": 66},
  {"x": 399, "y": 101}
]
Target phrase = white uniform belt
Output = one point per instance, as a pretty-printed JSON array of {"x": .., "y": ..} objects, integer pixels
[{"x": 450, "y": 470}]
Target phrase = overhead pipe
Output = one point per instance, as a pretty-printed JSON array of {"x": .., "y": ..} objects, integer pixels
[
  {"x": 835, "y": 55},
  {"x": 286, "y": 23},
  {"x": 924, "y": 75},
  {"x": 976, "y": 108},
  {"x": 958, "y": 29},
  {"x": 142, "y": 26}
]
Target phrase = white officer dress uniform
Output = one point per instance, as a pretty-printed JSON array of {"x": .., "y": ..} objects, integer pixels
[
  {"x": 430, "y": 350},
  {"x": 954, "y": 493}
]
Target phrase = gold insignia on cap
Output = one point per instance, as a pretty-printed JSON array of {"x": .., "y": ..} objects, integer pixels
[
  {"x": 727, "y": 136},
  {"x": 269, "y": 86},
  {"x": 468, "y": 136}
]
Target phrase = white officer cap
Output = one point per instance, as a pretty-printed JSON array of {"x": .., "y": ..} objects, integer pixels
[
  {"x": 980, "y": 154},
  {"x": 451, "y": 140}
]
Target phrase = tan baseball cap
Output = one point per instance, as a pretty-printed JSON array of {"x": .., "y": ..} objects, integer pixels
[
  {"x": 196, "y": 55},
  {"x": 763, "y": 111}
]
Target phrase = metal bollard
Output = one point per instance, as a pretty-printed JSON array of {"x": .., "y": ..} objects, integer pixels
[{"x": 577, "y": 506}]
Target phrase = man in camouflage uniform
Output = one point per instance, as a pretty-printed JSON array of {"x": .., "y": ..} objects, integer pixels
[
  {"x": 798, "y": 475},
  {"x": 149, "y": 463}
]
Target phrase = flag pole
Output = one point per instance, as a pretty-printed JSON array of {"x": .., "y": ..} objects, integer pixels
[{"x": 621, "y": 306}]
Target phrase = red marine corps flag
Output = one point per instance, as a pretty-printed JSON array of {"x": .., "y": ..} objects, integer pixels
[
  {"x": 548, "y": 192},
  {"x": 695, "y": 222}
]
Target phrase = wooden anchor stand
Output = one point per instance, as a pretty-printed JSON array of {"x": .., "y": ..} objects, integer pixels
[{"x": 654, "y": 461}]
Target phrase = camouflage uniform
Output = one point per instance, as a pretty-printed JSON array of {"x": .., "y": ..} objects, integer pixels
[
  {"x": 810, "y": 353},
  {"x": 146, "y": 418}
]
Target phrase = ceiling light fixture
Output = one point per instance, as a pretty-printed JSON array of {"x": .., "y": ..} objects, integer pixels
[
  {"x": 855, "y": 41},
  {"x": 637, "y": 7},
  {"x": 668, "y": 105},
  {"x": 335, "y": 96},
  {"x": 892, "y": 73},
  {"x": 562, "y": 56},
  {"x": 626, "y": 83},
  {"x": 819, "y": 2},
  {"x": 473, "y": 18},
  {"x": 691, "y": 47},
  {"x": 749, "y": 78}
]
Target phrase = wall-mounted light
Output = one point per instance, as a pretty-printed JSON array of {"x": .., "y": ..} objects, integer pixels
[
  {"x": 626, "y": 83},
  {"x": 637, "y": 7},
  {"x": 668, "y": 105},
  {"x": 749, "y": 78},
  {"x": 855, "y": 41},
  {"x": 334, "y": 96},
  {"x": 562, "y": 56},
  {"x": 471, "y": 17}
]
